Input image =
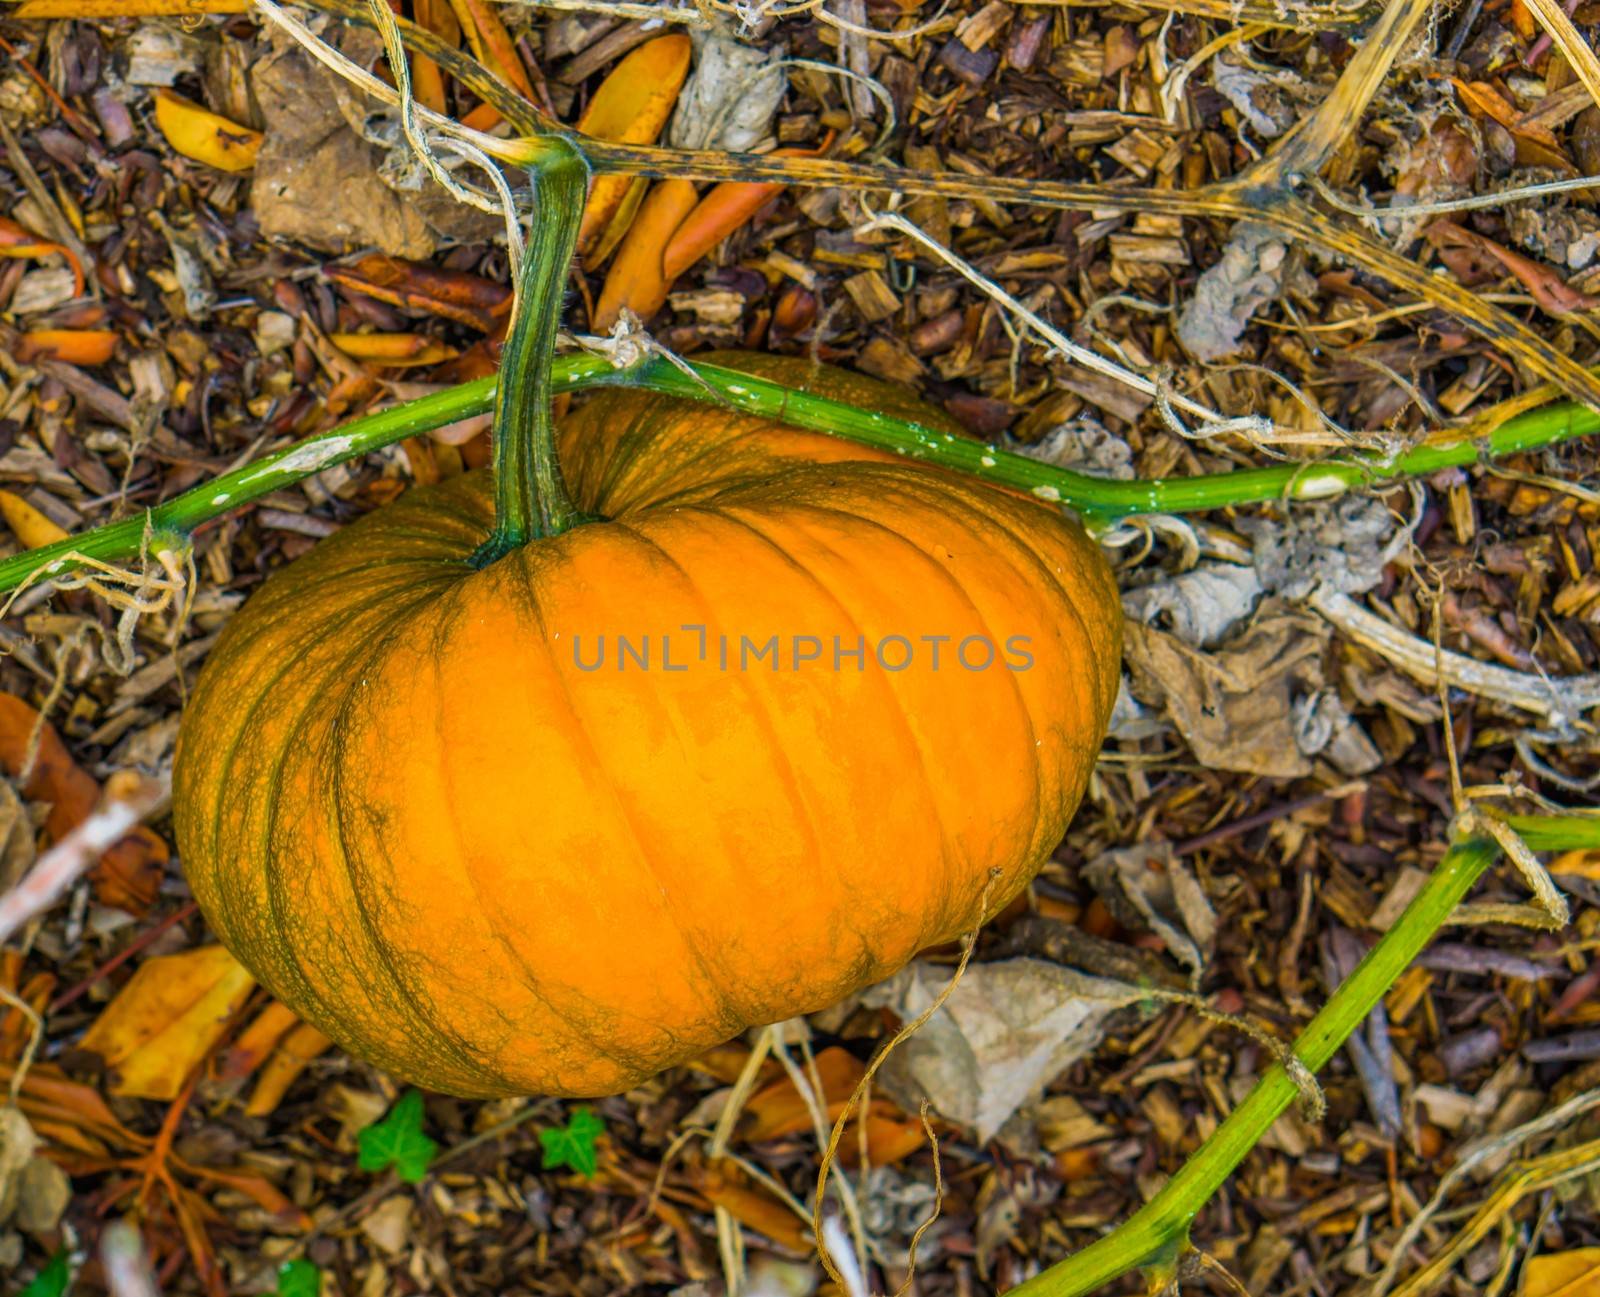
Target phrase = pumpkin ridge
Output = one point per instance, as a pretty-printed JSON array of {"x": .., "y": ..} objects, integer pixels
[
  {"x": 1001, "y": 515},
  {"x": 264, "y": 699},
  {"x": 745, "y": 1016},
  {"x": 421, "y": 1008},
  {"x": 333, "y": 737},
  {"x": 795, "y": 790},
  {"x": 580, "y": 727},
  {"x": 531, "y": 982},
  {"x": 892, "y": 699},
  {"x": 959, "y": 588},
  {"x": 971, "y": 503},
  {"x": 976, "y": 502}
]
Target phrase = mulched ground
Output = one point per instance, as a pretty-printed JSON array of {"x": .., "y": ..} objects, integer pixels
[{"x": 224, "y": 351}]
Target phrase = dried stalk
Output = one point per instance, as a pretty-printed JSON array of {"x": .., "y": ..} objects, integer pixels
[{"x": 1264, "y": 194}]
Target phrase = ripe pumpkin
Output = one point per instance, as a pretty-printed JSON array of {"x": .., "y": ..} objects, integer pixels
[{"x": 410, "y": 811}]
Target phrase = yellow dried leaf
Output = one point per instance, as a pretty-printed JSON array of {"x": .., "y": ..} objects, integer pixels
[
  {"x": 200, "y": 134},
  {"x": 167, "y": 1018},
  {"x": 394, "y": 349},
  {"x": 631, "y": 106},
  {"x": 27, "y": 524},
  {"x": 1563, "y": 1274},
  {"x": 1584, "y": 863}
]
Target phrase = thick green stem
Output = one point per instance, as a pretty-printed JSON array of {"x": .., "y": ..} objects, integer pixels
[
  {"x": 120, "y": 541},
  {"x": 1151, "y": 1235},
  {"x": 530, "y": 497},
  {"x": 1162, "y": 1224}
]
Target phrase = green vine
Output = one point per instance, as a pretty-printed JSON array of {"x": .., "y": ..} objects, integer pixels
[
  {"x": 1096, "y": 497},
  {"x": 1150, "y": 1234}
]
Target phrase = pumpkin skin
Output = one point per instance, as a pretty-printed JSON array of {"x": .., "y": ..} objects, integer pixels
[{"x": 407, "y": 810}]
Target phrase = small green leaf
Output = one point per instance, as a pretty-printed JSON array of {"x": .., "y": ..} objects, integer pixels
[
  {"x": 299, "y": 1278},
  {"x": 398, "y": 1141},
  {"x": 573, "y": 1144},
  {"x": 53, "y": 1280}
]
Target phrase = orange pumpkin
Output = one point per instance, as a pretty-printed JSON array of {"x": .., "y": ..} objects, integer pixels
[{"x": 410, "y": 802}]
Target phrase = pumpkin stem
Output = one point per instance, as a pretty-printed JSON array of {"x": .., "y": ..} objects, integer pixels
[{"x": 530, "y": 496}]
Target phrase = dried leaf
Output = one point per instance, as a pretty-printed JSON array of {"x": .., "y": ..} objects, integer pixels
[
  {"x": 456, "y": 295},
  {"x": 1199, "y": 606},
  {"x": 334, "y": 173},
  {"x": 293, "y": 1055},
  {"x": 631, "y": 106},
  {"x": 729, "y": 99},
  {"x": 202, "y": 135},
  {"x": 724, "y": 209},
  {"x": 129, "y": 874},
  {"x": 27, "y": 524},
  {"x": 1148, "y": 887},
  {"x": 1546, "y": 287},
  {"x": 492, "y": 44},
  {"x": 73, "y": 346},
  {"x": 394, "y": 350},
  {"x": 167, "y": 1019},
  {"x": 1233, "y": 704},
  {"x": 1562, "y": 1274},
  {"x": 636, "y": 281},
  {"x": 1007, "y": 1030},
  {"x": 252, "y": 1047},
  {"x": 723, "y": 1185}
]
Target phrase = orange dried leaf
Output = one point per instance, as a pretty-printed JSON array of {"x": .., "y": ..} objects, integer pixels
[
  {"x": 200, "y": 134},
  {"x": 636, "y": 279},
  {"x": 15, "y": 241},
  {"x": 621, "y": 221},
  {"x": 492, "y": 44},
  {"x": 394, "y": 349},
  {"x": 779, "y": 1109},
  {"x": 167, "y": 1019},
  {"x": 1536, "y": 143},
  {"x": 293, "y": 1054},
  {"x": 724, "y": 209},
  {"x": 455, "y": 295},
  {"x": 752, "y": 1207},
  {"x": 50, "y": 1099},
  {"x": 74, "y": 346},
  {"x": 27, "y": 524},
  {"x": 631, "y": 106},
  {"x": 256, "y": 1042},
  {"x": 129, "y": 874}
]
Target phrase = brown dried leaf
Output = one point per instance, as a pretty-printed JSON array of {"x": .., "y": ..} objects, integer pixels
[
  {"x": 1546, "y": 287},
  {"x": 456, "y": 295},
  {"x": 129, "y": 875}
]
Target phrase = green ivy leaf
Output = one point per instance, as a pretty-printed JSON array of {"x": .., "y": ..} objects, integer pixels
[
  {"x": 574, "y": 1144},
  {"x": 398, "y": 1141},
  {"x": 299, "y": 1278},
  {"x": 53, "y": 1280}
]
